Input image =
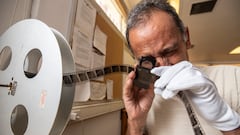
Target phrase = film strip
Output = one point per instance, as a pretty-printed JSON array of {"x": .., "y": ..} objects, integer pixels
[
  {"x": 193, "y": 118},
  {"x": 81, "y": 76}
]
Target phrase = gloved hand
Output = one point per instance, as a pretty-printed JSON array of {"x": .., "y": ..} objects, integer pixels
[{"x": 201, "y": 92}]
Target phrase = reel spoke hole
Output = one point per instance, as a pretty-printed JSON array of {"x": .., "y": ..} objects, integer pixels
[
  {"x": 19, "y": 120},
  {"x": 5, "y": 57},
  {"x": 32, "y": 63}
]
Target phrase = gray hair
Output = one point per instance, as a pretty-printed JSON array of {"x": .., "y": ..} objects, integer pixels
[{"x": 143, "y": 10}]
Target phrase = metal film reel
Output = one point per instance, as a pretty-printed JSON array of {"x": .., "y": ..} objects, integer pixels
[{"x": 33, "y": 99}]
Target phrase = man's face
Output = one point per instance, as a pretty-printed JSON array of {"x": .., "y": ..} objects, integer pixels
[{"x": 159, "y": 37}]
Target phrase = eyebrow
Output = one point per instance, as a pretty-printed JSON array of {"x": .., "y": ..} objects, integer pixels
[{"x": 169, "y": 49}]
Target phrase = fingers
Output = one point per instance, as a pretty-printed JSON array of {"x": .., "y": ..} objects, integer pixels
[
  {"x": 167, "y": 73},
  {"x": 159, "y": 70},
  {"x": 128, "y": 84},
  {"x": 132, "y": 92}
]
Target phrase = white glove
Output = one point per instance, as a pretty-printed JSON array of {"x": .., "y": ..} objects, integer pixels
[{"x": 201, "y": 91}]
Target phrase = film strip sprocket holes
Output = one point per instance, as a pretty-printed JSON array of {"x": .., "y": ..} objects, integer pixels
[
  {"x": 193, "y": 118},
  {"x": 81, "y": 76}
]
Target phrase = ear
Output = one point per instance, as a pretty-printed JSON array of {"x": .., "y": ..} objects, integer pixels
[{"x": 188, "y": 42}]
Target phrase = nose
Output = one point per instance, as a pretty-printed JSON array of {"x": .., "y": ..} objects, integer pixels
[{"x": 162, "y": 61}]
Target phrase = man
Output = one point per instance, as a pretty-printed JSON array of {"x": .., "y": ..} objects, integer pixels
[{"x": 154, "y": 29}]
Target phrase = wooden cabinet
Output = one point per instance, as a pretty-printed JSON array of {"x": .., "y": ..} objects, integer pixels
[
  {"x": 114, "y": 53},
  {"x": 103, "y": 117}
]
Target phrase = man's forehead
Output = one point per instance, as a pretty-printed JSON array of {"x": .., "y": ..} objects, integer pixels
[
  {"x": 159, "y": 25},
  {"x": 157, "y": 18}
]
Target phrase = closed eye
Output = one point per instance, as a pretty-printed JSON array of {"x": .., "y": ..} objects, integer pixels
[{"x": 169, "y": 51}]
